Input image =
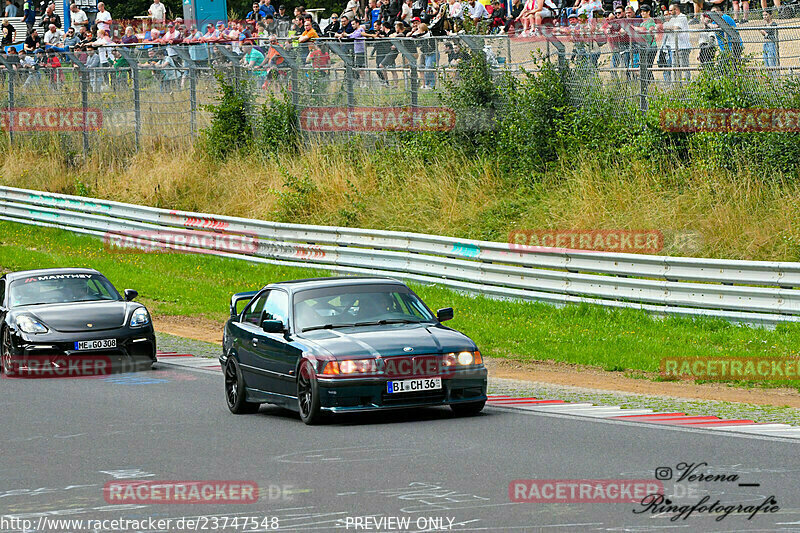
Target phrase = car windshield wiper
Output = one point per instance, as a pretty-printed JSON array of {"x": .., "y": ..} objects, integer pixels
[
  {"x": 328, "y": 326},
  {"x": 389, "y": 321}
]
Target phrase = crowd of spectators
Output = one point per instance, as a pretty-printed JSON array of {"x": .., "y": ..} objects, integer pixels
[{"x": 399, "y": 33}]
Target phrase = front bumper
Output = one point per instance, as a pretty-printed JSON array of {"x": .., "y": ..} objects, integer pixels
[
  {"x": 45, "y": 354},
  {"x": 339, "y": 395}
]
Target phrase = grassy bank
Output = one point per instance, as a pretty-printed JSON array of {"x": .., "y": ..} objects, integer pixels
[
  {"x": 732, "y": 214},
  {"x": 610, "y": 339}
]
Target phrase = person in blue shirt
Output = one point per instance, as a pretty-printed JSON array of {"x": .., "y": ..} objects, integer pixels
[
  {"x": 28, "y": 15},
  {"x": 728, "y": 39},
  {"x": 266, "y": 8}
]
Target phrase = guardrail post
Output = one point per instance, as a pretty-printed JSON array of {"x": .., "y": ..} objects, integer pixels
[{"x": 11, "y": 80}]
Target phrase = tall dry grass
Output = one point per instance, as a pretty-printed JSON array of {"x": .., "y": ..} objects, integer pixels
[{"x": 735, "y": 214}]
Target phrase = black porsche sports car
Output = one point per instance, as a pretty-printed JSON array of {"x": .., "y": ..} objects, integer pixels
[
  {"x": 333, "y": 345},
  {"x": 71, "y": 321}
]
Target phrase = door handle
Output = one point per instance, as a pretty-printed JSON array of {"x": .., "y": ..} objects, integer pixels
[{"x": 255, "y": 341}]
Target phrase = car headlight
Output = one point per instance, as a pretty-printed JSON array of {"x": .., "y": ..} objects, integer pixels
[
  {"x": 350, "y": 366},
  {"x": 28, "y": 324},
  {"x": 140, "y": 317},
  {"x": 462, "y": 359}
]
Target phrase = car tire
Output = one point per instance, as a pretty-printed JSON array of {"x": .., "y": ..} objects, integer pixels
[
  {"x": 468, "y": 409},
  {"x": 235, "y": 390},
  {"x": 308, "y": 394}
]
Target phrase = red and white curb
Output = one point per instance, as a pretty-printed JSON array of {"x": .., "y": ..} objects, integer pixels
[
  {"x": 576, "y": 409},
  {"x": 643, "y": 415}
]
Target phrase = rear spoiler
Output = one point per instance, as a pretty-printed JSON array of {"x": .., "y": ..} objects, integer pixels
[{"x": 240, "y": 296}]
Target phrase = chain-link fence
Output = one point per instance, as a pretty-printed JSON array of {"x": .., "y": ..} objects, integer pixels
[{"x": 143, "y": 94}]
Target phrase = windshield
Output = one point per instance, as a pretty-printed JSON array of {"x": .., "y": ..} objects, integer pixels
[
  {"x": 360, "y": 305},
  {"x": 61, "y": 288}
]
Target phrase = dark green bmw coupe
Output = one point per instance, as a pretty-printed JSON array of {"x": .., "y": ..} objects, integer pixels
[{"x": 334, "y": 345}]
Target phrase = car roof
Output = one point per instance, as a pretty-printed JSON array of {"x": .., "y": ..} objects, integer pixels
[
  {"x": 11, "y": 276},
  {"x": 339, "y": 281}
]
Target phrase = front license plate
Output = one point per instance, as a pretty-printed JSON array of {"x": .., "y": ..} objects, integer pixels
[
  {"x": 96, "y": 345},
  {"x": 413, "y": 385}
]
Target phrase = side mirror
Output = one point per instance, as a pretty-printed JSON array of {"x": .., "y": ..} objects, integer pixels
[
  {"x": 444, "y": 314},
  {"x": 130, "y": 294},
  {"x": 273, "y": 326}
]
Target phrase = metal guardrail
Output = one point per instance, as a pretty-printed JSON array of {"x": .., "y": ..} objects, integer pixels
[{"x": 742, "y": 291}]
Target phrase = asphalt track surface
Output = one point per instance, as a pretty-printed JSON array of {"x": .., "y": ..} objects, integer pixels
[{"x": 64, "y": 439}]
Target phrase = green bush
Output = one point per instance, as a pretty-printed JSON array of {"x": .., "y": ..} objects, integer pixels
[
  {"x": 278, "y": 126},
  {"x": 231, "y": 129}
]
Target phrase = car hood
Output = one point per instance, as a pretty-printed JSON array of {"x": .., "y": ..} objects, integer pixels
[
  {"x": 388, "y": 340},
  {"x": 74, "y": 317}
]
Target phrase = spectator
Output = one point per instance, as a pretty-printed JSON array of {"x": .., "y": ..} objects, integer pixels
[
  {"x": 477, "y": 11},
  {"x": 266, "y": 8},
  {"x": 93, "y": 63},
  {"x": 130, "y": 36},
  {"x": 50, "y": 17},
  {"x": 427, "y": 48},
  {"x": 33, "y": 41},
  {"x": 615, "y": 33},
  {"x": 497, "y": 17},
  {"x": 320, "y": 59},
  {"x": 283, "y": 16},
  {"x": 54, "y": 38},
  {"x": 777, "y": 4},
  {"x": 388, "y": 61},
  {"x": 333, "y": 26},
  {"x": 456, "y": 13},
  {"x": 527, "y": 16},
  {"x": 546, "y": 9},
  {"x": 406, "y": 13},
  {"x": 373, "y": 14},
  {"x": 103, "y": 18},
  {"x": 9, "y": 34},
  {"x": 78, "y": 18},
  {"x": 70, "y": 39},
  {"x": 679, "y": 42},
  {"x": 647, "y": 30},
  {"x": 11, "y": 9},
  {"x": 728, "y": 39},
  {"x": 29, "y": 67},
  {"x": 745, "y": 10},
  {"x": 53, "y": 66},
  {"x": 13, "y": 59},
  {"x": 157, "y": 12},
  {"x": 121, "y": 67},
  {"x": 209, "y": 35},
  {"x": 171, "y": 36},
  {"x": 511, "y": 23},
  {"x": 270, "y": 24},
  {"x": 351, "y": 11},
  {"x": 358, "y": 35},
  {"x": 29, "y": 16},
  {"x": 198, "y": 52},
  {"x": 770, "y": 47},
  {"x": 255, "y": 14},
  {"x": 273, "y": 60},
  {"x": 167, "y": 67},
  {"x": 382, "y": 48},
  {"x": 309, "y": 34},
  {"x": 252, "y": 58}
]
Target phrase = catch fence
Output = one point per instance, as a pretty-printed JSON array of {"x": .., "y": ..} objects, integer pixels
[{"x": 149, "y": 93}]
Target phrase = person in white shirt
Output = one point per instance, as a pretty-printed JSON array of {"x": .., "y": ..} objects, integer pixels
[
  {"x": 678, "y": 42},
  {"x": 103, "y": 18},
  {"x": 78, "y": 18},
  {"x": 157, "y": 11},
  {"x": 53, "y": 38},
  {"x": 477, "y": 11},
  {"x": 407, "y": 12}
]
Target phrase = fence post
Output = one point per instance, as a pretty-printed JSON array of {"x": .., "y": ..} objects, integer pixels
[
  {"x": 643, "y": 73},
  {"x": 344, "y": 53},
  {"x": 83, "y": 72},
  {"x": 412, "y": 61},
  {"x": 137, "y": 106},
  {"x": 189, "y": 62},
  {"x": 11, "y": 76}
]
